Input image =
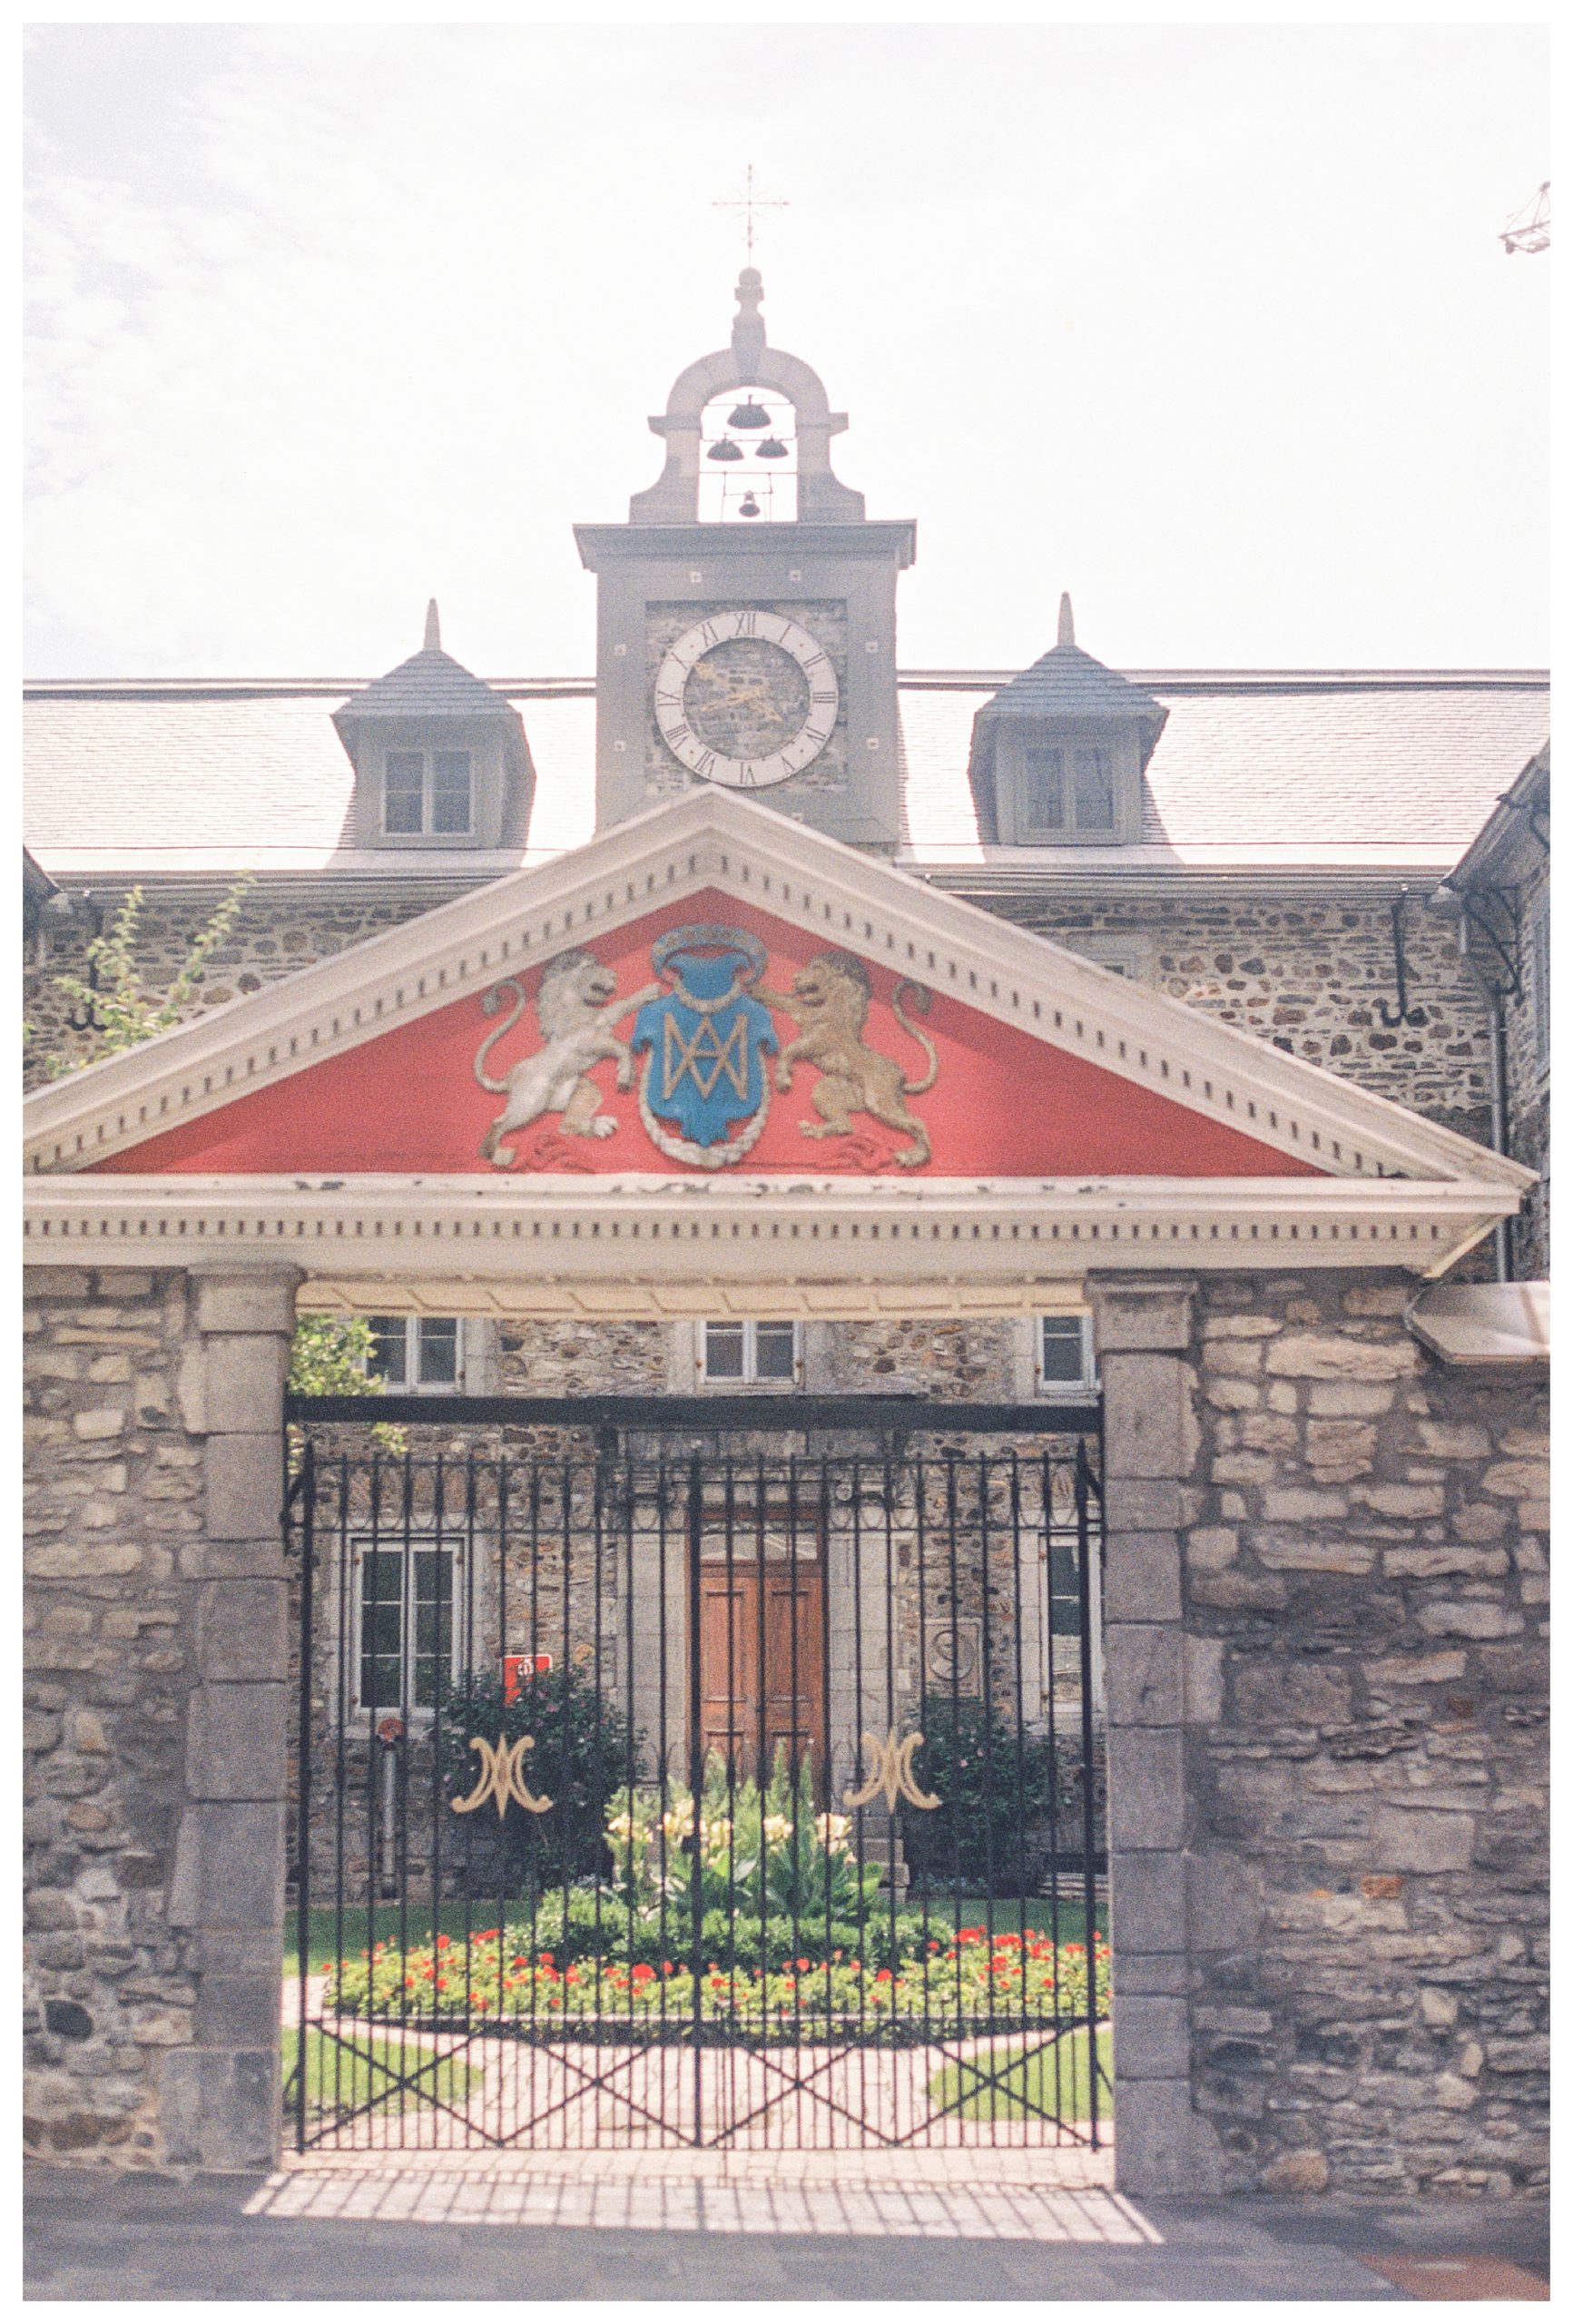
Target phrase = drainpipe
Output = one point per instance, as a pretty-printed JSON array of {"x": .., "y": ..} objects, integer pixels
[
  {"x": 1503, "y": 1234},
  {"x": 1448, "y": 902}
]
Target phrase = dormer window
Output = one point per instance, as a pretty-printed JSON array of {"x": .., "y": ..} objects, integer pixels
[
  {"x": 1058, "y": 755},
  {"x": 426, "y": 792},
  {"x": 1067, "y": 790}
]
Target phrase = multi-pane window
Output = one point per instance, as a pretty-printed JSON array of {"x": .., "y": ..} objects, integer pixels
[
  {"x": 1066, "y": 1646},
  {"x": 406, "y": 1622},
  {"x": 426, "y": 792},
  {"x": 1067, "y": 790},
  {"x": 749, "y": 1354},
  {"x": 416, "y": 1352},
  {"x": 1064, "y": 1353}
]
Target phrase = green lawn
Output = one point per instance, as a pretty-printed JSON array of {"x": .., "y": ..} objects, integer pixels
[
  {"x": 340, "y": 2075},
  {"x": 1027, "y": 2071},
  {"x": 1034, "y": 1913}
]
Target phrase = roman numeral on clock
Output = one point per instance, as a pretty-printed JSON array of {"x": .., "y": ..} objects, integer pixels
[{"x": 747, "y": 624}]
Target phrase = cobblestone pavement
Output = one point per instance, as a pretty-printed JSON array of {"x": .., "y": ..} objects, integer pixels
[{"x": 383, "y": 2231}]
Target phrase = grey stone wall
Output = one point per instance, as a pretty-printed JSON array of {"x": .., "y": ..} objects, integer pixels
[
  {"x": 1364, "y": 1573},
  {"x": 154, "y": 1715},
  {"x": 1310, "y": 977},
  {"x": 112, "y": 1497},
  {"x": 1529, "y": 1087}
]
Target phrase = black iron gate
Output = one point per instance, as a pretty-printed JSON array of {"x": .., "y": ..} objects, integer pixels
[{"x": 743, "y": 1800}]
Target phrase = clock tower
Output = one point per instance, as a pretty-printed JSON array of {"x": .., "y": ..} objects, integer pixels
[{"x": 746, "y": 628}]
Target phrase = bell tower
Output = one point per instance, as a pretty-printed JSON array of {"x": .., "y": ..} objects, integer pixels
[{"x": 746, "y": 626}]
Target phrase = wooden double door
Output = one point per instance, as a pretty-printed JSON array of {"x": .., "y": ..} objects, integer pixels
[{"x": 761, "y": 1662}]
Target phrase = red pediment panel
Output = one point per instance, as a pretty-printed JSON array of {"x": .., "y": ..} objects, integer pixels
[{"x": 709, "y": 1036}]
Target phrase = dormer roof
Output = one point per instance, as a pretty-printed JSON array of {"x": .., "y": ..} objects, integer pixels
[
  {"x": 432, "y": 684},
  {"x": 1069, "y": 683}
]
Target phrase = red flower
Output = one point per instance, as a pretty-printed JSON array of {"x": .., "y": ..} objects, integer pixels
[
  {"x": 642, "y": 1974},
  {"x": 881, "y": 1976},
  {"x": 803, "y": 1964},
  {"x": 667, "y": 1970},
  {"x": 547, "y": 1959},
  {"x": 969, "y": 1935}
]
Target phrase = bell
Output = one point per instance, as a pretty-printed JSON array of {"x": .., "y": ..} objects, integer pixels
[
  {"x": 772, "y": 449},
  {"x": 725, "y": 450},
  {"x": 748, "y": 505},
  {"x": 748, "y": 415}
]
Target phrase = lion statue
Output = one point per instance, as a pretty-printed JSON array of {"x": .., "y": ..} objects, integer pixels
[
  {"x": 577, "y": 1011},
  {"x": 830, "y": 999}
]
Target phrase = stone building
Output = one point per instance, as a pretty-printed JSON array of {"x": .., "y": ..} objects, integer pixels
[{"x": 1218, "y": 1002}]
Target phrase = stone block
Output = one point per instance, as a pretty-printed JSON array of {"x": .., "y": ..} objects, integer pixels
[
  {"x": 1421, "y": 1561},
  {"x": 1146, "y": 1788},
  {"x": 1304, "y": 2171},
  {"x": 228, "y": 1868},
  {"x": 258, "y": 1560},
  {"x": 1415, "y": 1670},
  {"x": 245, "y": 1383},
  {"x": 1210, "y": 1547},
  {"x": 1321, "y": 1356},
  {"x": 1519, "y": 1479},
  {"x": 1284, "y": 1548},
  {"x": 1142, "y": 1682},
  {"x": 259, "y": 1300},
  {"x": 1142, "y": 1578},
  {"x": 245, "y": 1487},
  {"x": 1152, "y": 2037},
  {"x": 235, "y": 1742},
  {"x": 1148, "y": 1428},
  {"x": 1274, "y": 1690},
  {"x": 1142, "y": 1504},
  {"x": 218, "y": 2109},
  {"x": 1422, "y": 1840},
  {"x": 1203, "y": 1666},
  {"x": 1130, "y": 1314},
  {"x": 236, "y": 2010},
  {"x": 103, "y": 1420},
  {"x": 1164, "y": 2146},
  {"x": 1147, "y": 1904},
  {"x": 1150, "y": 1973},
  {"x": 1401, "y": 1501},
  {"x": 1296, "y": 1504},
  {"x": 242, "y": 1629},
  {"x": 1470, "y": 1618}
]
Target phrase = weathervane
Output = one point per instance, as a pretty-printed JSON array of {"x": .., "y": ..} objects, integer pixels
[{"x": 748, "y": 201}]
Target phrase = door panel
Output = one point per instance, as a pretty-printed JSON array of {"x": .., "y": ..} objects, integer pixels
[{"x": 762, "y": 1682}]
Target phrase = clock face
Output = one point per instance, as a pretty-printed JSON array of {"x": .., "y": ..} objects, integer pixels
[{"x": 746, "y": 698}]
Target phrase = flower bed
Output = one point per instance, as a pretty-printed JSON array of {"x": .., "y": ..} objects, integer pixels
[{"x": 971, "y": 1984}]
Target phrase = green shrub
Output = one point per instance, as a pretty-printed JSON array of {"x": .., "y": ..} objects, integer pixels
[{"x": 1003, "y": 1798}]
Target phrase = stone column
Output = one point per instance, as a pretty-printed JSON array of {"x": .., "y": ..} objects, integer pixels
[
  {"x": 1142, "y": 1328},
  {"x": 219, "y": 2100}
]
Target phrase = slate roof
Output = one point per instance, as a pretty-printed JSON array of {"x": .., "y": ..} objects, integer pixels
[
  {"x": 430, "y": 684},
  {"x": 1253, "y": 769},
  {"x": 1069, "y": 683}
]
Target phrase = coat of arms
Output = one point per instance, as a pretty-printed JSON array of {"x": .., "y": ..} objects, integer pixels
[{"x": 703, "y": 1090}]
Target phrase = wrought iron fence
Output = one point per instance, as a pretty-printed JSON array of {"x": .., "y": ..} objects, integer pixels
[{"x": 741, "y": 1800}]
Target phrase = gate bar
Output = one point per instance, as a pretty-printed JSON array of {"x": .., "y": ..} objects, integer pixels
[{"x": 787, "y": 1414}]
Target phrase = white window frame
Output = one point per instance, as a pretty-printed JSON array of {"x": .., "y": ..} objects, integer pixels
[
  {"x": 357, "y": 1714},
  {"x": 427, "y": 790},
  {"x": 1072, "y": 828},
  {"x": 749, "y": 1377},
  {"x": 412, "y": 1385},
  {"x": 1072, "y": 1391}
]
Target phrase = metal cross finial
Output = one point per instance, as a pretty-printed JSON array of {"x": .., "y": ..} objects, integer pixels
[{"x": 748, "y": 201}]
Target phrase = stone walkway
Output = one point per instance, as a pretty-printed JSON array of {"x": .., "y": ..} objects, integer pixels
[{"x": 456, "y": 2232}]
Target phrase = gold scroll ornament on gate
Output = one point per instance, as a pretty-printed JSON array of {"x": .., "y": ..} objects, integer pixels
[
  {"x": 502, "y": 1776},
  {"x": 891, "y": 1763}
]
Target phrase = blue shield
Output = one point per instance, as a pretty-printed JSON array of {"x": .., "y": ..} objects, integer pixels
[{"x": 703, "y": 1090}]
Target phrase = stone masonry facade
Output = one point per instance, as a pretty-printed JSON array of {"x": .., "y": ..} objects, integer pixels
[
  {"x": 1365, "y": 1580},
  {"x": 155, "y": 1678}
]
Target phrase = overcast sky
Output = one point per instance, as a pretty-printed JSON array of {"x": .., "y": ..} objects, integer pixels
[{"x": 1208, "y": 325}]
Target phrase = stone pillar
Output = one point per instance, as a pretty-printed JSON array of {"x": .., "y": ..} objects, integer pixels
[
  {"x": 219, "y": 2100},
  {"x": 1142, "y": 1327}
]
